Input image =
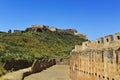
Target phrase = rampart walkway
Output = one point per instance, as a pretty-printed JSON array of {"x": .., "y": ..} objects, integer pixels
[{"x": 57, "y": 72}]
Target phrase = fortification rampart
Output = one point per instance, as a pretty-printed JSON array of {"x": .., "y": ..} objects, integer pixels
[{"x": 96, "y": 60}]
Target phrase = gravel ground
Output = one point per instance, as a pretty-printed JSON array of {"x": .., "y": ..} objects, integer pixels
[{"x": 57, "y": 72}]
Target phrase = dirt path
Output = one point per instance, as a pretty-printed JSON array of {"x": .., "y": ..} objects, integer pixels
[{"x": 57, "y": 72}]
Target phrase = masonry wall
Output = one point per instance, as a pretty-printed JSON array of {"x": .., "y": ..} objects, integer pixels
[
  {"x": 38, "y": 66},
  {"x": 97, "y": 60}
]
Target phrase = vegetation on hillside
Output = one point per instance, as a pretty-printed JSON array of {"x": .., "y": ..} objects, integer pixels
[{"x": 32, "y": 45}]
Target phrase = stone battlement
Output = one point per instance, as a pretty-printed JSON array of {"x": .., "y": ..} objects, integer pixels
[
  {"x": 96, "y": 60},
  {"x": 110, "y": 41}
]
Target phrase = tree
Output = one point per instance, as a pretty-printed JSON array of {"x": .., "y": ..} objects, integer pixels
[{"x": 9, "y": 31}]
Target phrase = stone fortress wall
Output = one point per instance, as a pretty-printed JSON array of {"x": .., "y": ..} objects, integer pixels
[
  {"x": 43, "y": 28},
  {"x": 96, "y": 60}
]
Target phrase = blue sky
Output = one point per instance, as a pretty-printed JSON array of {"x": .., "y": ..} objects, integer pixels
[{"x": 94, "y": 18}]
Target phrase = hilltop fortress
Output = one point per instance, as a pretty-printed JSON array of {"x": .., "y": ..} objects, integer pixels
[
  {"x": 43, "y": 28},
  {"x": 96, "y": 60}
]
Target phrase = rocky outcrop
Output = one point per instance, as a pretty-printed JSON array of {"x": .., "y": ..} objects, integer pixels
[
  {"x": 37, "y": 28},
  {"x": 42, "y": 28},
  {"x": 81, "y": 36}
]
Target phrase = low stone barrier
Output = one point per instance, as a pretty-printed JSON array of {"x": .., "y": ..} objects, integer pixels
[
  {"x": 39, "y": 65},
  {"x": 62, "y": 61},
  {"x": 16, "y": 65}
]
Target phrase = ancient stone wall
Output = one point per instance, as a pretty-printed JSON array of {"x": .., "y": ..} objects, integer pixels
[
  {"x": 16, "y": 65},
  {"x": 96, "y": 60},
  {"x": 60, "y": 61},
  {"x": 39, "y": 65}
]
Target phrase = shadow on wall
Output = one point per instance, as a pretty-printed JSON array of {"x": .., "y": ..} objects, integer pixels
[{"x": 16, "y": 65}]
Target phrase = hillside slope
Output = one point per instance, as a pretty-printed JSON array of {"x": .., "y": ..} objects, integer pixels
[{"x": 30, "y": 44}]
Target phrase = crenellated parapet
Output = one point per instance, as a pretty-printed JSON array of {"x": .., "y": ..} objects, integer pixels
[
  {"x": 109, "y": 41},
  {"x": 117, "y": 36},
  {"x": 96, "y": 60}
]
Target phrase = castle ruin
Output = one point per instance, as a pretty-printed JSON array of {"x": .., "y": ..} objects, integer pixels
[{"x": 96, "y": 60}]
